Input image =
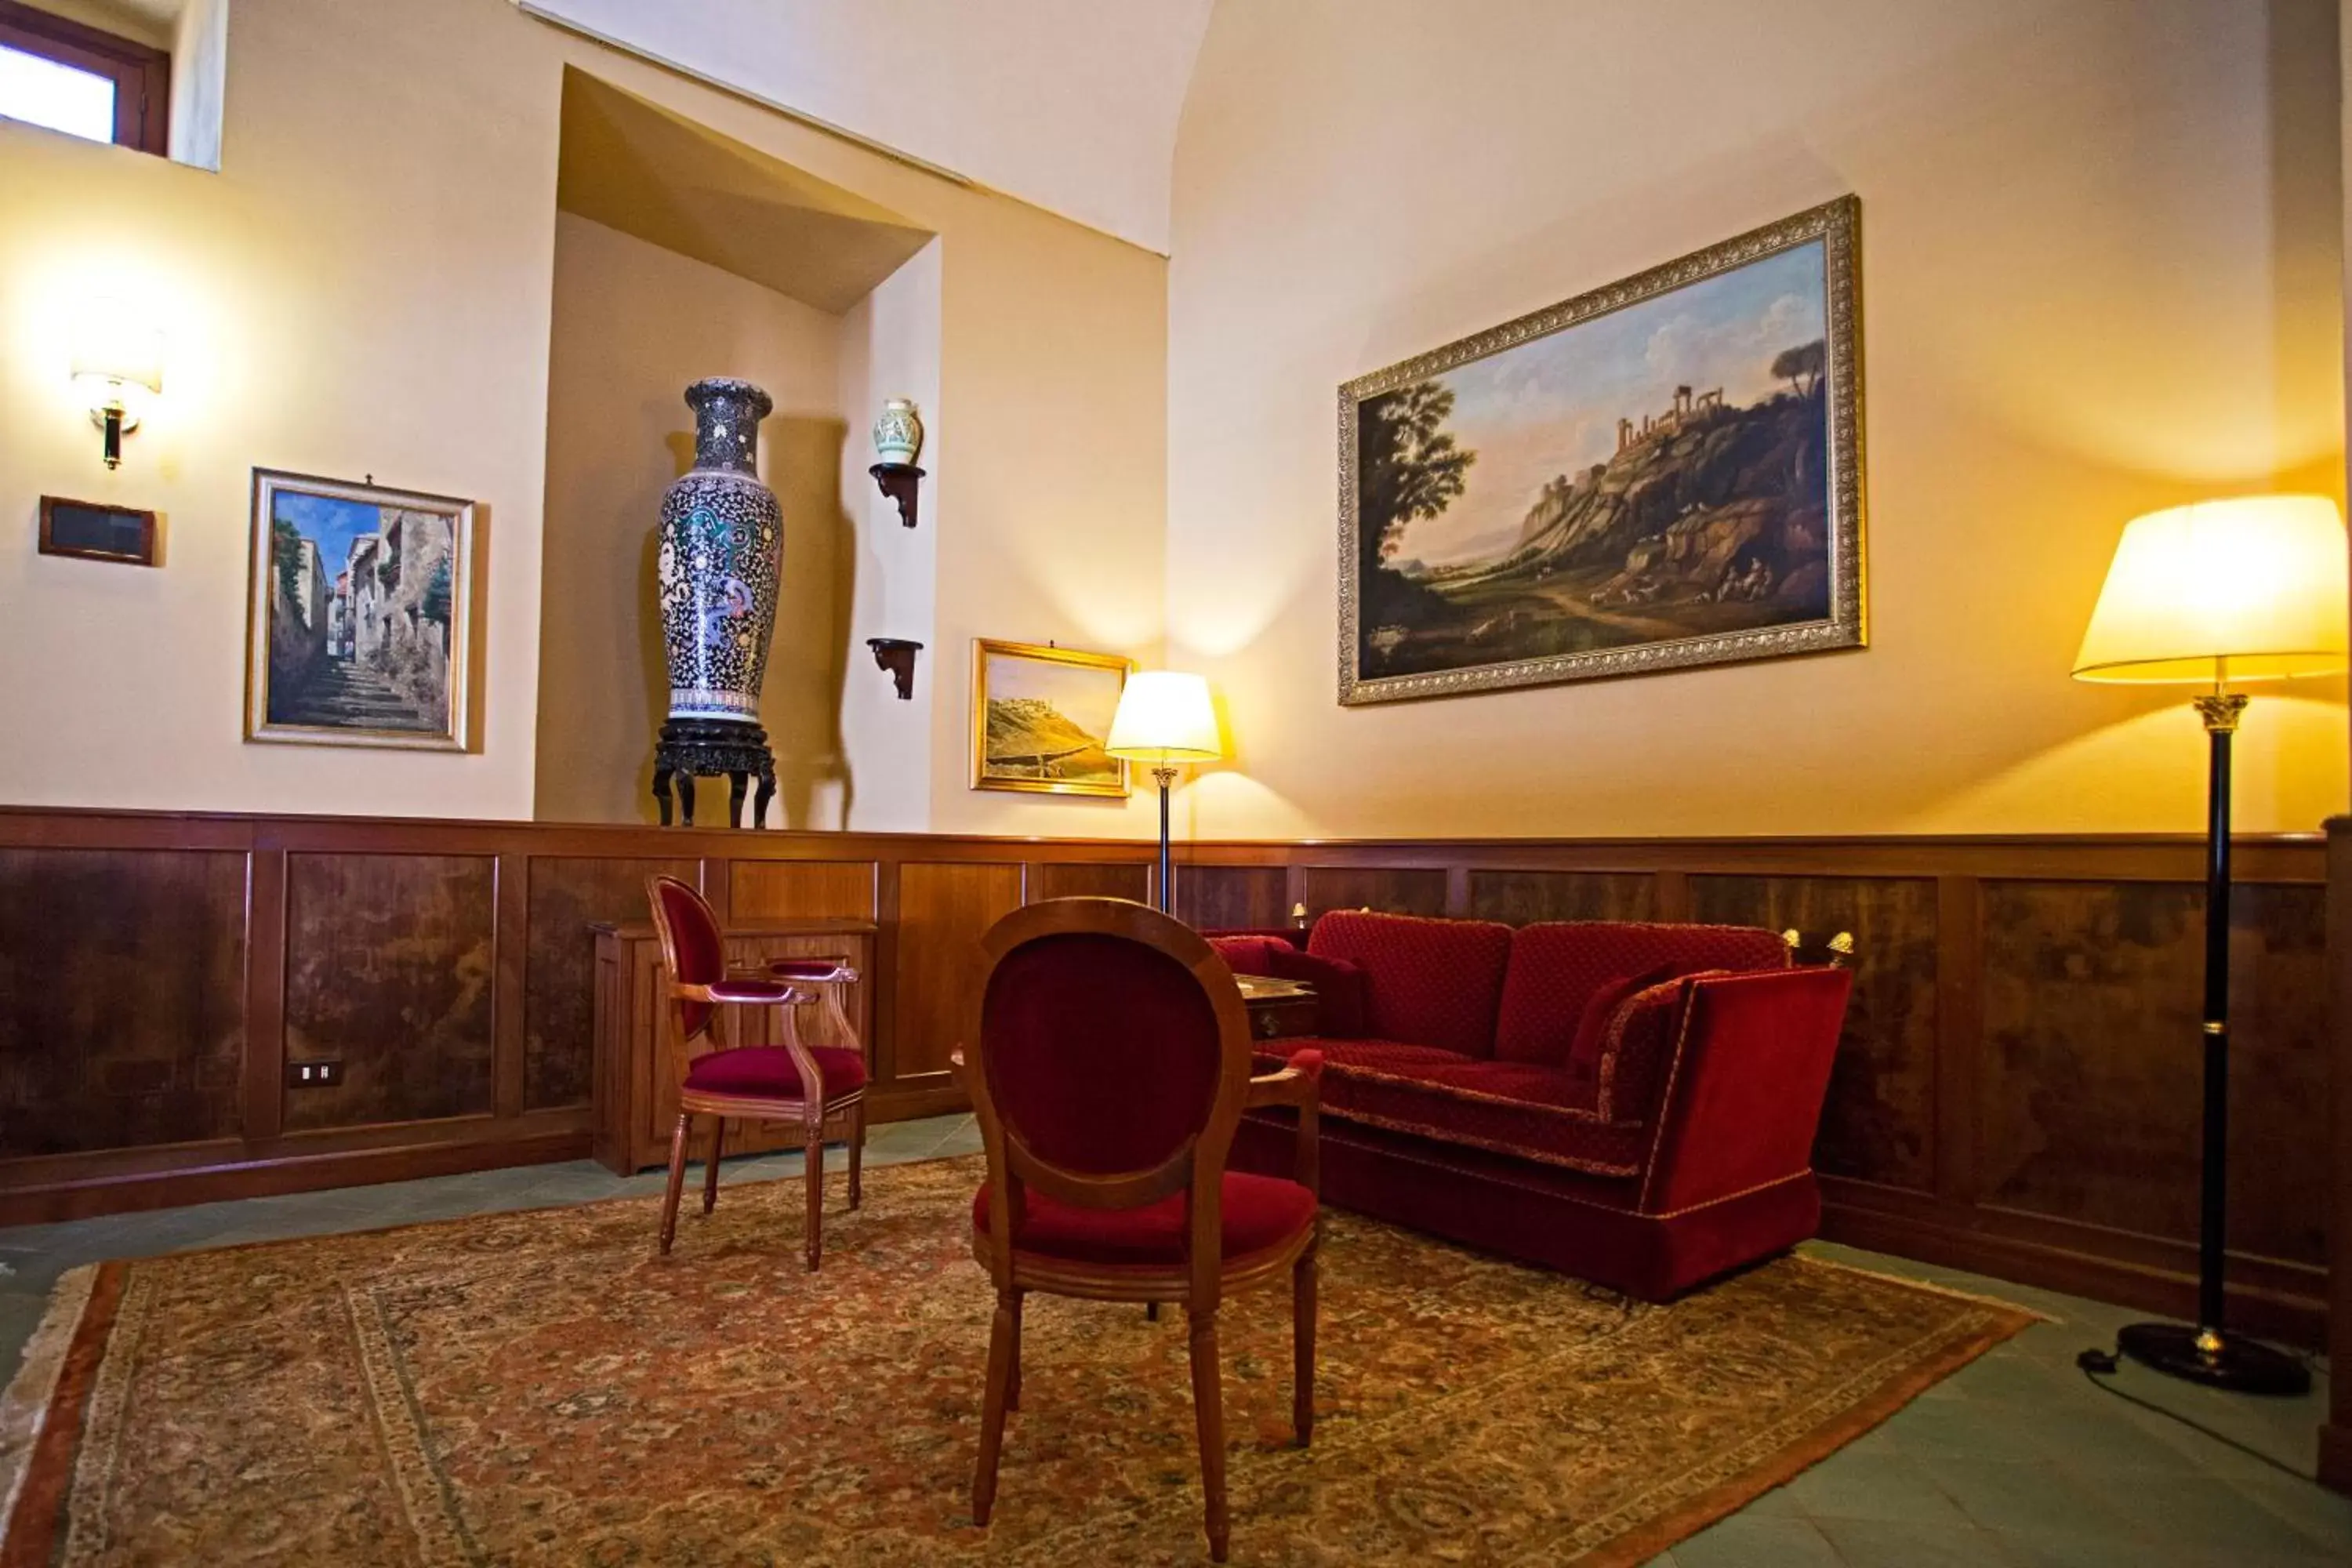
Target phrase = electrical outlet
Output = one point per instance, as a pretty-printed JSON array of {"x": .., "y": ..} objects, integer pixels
[{"x": 314, "y": 1074}]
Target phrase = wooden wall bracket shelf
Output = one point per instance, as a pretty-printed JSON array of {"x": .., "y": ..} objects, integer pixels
[
  {"x": 900, "y": 482},
  {"x": 896, "y": 654}
]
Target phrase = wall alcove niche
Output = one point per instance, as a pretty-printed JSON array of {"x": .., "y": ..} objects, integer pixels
[{"x": 680, "y": 253}]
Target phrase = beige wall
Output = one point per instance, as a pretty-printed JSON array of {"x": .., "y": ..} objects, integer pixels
[
  {"x": 2100, "y": 247},
  {"x": 369, "y": 293},
  {"x": 634, "y": 325}
]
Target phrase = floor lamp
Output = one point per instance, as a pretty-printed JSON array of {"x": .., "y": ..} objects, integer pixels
[
  {"x": 2209, "y": 594},
  {"x": 1165, "y": 719}
]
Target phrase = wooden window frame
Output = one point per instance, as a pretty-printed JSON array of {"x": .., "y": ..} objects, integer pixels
[{"x": 142, "y": 73}]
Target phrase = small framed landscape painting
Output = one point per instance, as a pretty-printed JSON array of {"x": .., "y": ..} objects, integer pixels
[
  {"x": 361, "y": 624},
  {"x": 1662, "y": 473},
  {"x": 1040, "y": 715}
]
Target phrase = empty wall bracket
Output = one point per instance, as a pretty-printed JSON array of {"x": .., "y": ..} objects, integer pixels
[
  {"x": 896, "y": 654},
  {"x": 900, "y": 482}
]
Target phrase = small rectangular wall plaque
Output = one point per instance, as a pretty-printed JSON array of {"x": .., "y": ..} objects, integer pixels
[{"x": 96, "y": 532}]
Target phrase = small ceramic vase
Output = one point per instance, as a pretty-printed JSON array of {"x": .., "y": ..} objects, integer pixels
[{"x": 897, "y": 434}]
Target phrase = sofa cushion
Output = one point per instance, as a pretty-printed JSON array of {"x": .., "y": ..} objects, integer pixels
[
  {"x": 1386, "y": 1055},
  {"x": 1338, "y": 988},
  {"x": 1259, "y": 1213},
  {"x": 1599, "y": 1013},
  {"x": 1435, "y": 983},
  {"x": 1640, "y": 1049},
  {"x": 1556, "y": 965},
  {"x": 1510, "y": 1108}
]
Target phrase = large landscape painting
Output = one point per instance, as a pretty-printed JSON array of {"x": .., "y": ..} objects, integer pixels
[
  {"x": 360, "y": 614},
  {"x": 1662, "y": 473}
]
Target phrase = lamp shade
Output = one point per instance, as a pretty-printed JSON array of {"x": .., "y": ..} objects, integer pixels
[
  {"x": 1165, "y": 715},
  {"x": 2253, "y": 589},
  {"x": 117, "y": 360}
]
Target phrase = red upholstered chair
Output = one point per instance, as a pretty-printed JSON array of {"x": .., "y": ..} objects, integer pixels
[
  {"x": 1108, "y": 1064},
  {"x": 816, "y": 1087}
]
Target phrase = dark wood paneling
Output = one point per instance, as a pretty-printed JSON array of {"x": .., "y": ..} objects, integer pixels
[
  {"x": 388, "y": 969},
  {"x": 944, "y": 909},
  {"x": 800, "y": 891},
  {"x": 1091, "y": 880},
  {"x": 1522, "y": 898},
  {"x": 1879, "y": 1124},
  {"x": 567, "y": 896},
  {"x": 122, "y": 999},
  {"x": 1389, "y": 890},
  {"x": 1231, "y": 898},
  {"x": 2088, "y": 1098}
]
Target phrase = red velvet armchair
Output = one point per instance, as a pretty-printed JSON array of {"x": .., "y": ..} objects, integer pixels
[
  {"x": 817, "y": 1087},
  {"x": 1108, "y": 1064}
]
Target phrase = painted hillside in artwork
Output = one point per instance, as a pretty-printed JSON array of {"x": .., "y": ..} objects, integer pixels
[{"x": 1654, "y": 474}]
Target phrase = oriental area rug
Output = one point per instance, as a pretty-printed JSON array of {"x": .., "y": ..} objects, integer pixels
[{"x": 542, "y": 1388}]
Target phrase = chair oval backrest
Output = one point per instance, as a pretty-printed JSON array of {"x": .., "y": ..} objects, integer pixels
[
  {"x": 691, "y": 943},
  {"x": 1101, "y": 1050}
]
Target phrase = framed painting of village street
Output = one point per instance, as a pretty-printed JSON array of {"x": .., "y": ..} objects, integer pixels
[
  {"x": 1041, "y": 716},
  {"x": 1662, "y": 473},
  {"x": 360, "y": 619}
]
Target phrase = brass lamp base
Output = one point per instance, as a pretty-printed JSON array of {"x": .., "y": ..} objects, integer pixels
[{"x": 2216, "y": 1360}]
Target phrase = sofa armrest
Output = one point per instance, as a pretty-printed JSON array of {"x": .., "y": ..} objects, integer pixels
[{"x": 1745, "y": 1086}]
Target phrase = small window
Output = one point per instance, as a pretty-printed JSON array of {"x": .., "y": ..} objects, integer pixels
[{"x": 82, "y": 81}]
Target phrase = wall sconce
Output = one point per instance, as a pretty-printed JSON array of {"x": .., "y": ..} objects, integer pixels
[{"x": 118, "y": 364}]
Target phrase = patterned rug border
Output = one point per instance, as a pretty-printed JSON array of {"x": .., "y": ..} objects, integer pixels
[{"x": 43, "y": 1406}]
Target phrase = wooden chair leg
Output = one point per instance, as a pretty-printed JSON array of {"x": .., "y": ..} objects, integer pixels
[
  {"x": 1003, "y": 1334},
  {"x": 1302, "y": 1346},
  {"x": 1012, "y": 1381},
  {"x": 815, "y": 1195},
  {"x": 857, "y": 1154},
  {"x": 677, "y": 1179},
  {"x": 710, "y": 1169},
  {"x": 1209, "y": 1410}
]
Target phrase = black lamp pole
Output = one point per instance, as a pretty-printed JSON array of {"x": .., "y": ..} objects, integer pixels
[
  {"x": 2206, "y": 1354},
  {"x": 1165, "y": 775}
]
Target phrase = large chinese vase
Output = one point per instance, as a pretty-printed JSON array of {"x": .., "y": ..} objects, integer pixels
[{"x": 721, "y": 544}]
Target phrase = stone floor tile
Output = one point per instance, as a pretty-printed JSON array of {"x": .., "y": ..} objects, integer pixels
[
  {"x": 1903, "y": 1543},
  {"x": 2323, "y": 1516},
  {"x": 2203, "y": 1513},
  {"x": 1873, "y": 1485},
  {"x": 2030, "y": 1496},
  {"x": 1745, "y": 1541}
]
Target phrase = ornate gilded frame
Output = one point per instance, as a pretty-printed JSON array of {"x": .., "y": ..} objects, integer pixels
[
  {"x": 1837, "y": 225},
  {"x": 983, "y": 649},
  {"x": 456, "y": 733}
]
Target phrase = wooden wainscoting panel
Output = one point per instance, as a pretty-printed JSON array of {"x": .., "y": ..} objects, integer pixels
[
  {"x": 2089, "y": 1088},
  {"x": 388, "y": 971},
  {"x": 1522, "y": 898},
  {"x": 798, "y": 890},
  {"x": 1231, "y": 898},
  {"x": 1091, "y": 879},
  {"x": 944, "y": 909},
  {"x": 1879, "y": 1124},
  {"x": 1388, "y": 889},
  {"x": 568, "y": 895},
  {"x": 122, "y": 999}
]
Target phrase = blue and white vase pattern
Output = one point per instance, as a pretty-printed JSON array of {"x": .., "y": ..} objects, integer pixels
[{"x": 721, "y": 550}]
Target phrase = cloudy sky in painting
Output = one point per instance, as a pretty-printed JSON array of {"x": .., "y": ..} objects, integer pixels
[
  {"x": 1552, "y": 407},
  {"x": 1086, "y": 697}
]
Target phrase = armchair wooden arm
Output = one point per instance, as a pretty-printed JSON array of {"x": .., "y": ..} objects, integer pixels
[{"x": 1300, "y": 1084}]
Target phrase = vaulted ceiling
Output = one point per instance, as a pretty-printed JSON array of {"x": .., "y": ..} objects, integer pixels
[{"x": 1070, "y": 104}]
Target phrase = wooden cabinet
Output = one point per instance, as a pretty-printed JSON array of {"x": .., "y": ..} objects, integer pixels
[{"x": 640, "y": 1063}]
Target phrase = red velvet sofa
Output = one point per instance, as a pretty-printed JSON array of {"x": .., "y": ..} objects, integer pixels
[{"x": 1632, "y": 1104}]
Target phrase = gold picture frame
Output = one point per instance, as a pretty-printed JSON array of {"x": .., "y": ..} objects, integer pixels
[
  {"x": 1042, "y": 705},
  {"x": 360, "y": 615},
  {"x": 1662, "y": 473}
]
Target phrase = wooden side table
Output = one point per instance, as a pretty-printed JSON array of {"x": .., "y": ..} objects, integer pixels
[
  {"x": 639, "y": 1065},
  {"x": 1279, "y": 1010}
]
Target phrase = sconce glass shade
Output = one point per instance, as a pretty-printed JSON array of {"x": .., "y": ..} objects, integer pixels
[
  {"x": 118, "y": 364},
  {"x": 2251, "y": 589},
  {"x": 1165, "y": 715}
]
